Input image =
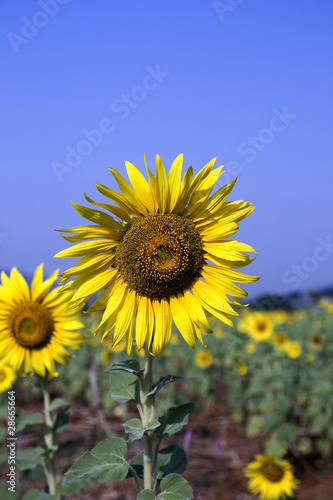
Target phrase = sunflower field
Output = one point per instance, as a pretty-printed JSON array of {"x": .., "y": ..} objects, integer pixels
[{"x": 272, "y": 374}]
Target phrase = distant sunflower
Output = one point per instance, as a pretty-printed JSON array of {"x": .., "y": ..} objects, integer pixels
[
  {"x": 316, "y": 341},
  {"x": 259, "y": 326},
  {"x": 270, "y": 478},
  {"x": 203, "y": 359},
  {"x": 150, "y": 255},
  {"x": 280, "y": 340},
  {"x": 293, "y": 349},
  {"x": 35, "y": 327},
  {"x": 7, "y": 377}
]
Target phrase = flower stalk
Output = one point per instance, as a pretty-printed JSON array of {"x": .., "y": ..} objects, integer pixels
[
  {"x": 148, "y": 415},
  {"x": 49, "y": 438}
]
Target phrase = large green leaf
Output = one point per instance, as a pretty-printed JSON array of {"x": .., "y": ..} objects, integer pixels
[
  {"x": 129, "y": 366},
  {"x": 29, "y": 458},
  {"x": 167, "y": 379},
  {"x": 25, "y": 420},
  {"x": 124, "y": 387},
  {"x": 171, "y": 460},
  {"x": 175, "y": 418},
  {"x": 173, "y": 486},
  {"x": 106, "y": 462},
  {"x": 58, "y": 403}
]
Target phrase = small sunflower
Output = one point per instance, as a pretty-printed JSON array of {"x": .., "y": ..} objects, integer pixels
[
  {"x": 293, "y": 350},
  {"x": 242, "y": 369},
  {"x": 270, "y": 478},
  {"x": 7, "y": 377},
  {"x": 203, "y": 359},
  {"x": 316, "y": 342},
  {"x": 280, "y": 340},
  {"x": 251, "y": 347},
  {"x": 259, "y": 326},
  {"x": 279, "y": 316},
  {"x": 35, "y": 326},
  {"x": 159, "y": 255}
]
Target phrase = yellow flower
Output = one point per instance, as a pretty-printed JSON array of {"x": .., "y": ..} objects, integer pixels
[
  {"x": 174, "y": 339},
  {"x": 35, "y": 326},
  {"x": 279, "y": 316},
  {"x": 7, "y": 377},
  {"x": 203, "y": 359},
  {"x": 259, "y": 326},
  {"x": 150, "y": 254},
  {"x": 316, "y": 341},
  {"x": 219, "y": 332},
  {"x": 270, "y": 478},
  {"x": 242, "y": 369},
  {"x": 105, "y": 356},
  {"x": 280, "y": 340},
  {"x": 250, "y": 347},
  {"x": 293, "y": 350},
  {"x": 310, "y": 358}
]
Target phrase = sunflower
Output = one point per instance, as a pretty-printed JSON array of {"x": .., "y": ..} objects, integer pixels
[
  {"x": 280, "y": 340},
  {"x": 203, "y": 359},
  {"x": 316, "y": 341},
  {"x": 35, "y": 327},
  {"x": 293, "y": 350},
  {"x": 159, "y": 255},
  {"x": 270, "y": 478},
  {"x": 259, "y": 326},
  {"x": 7, "y": 377},
  {"x": 242, "y": 369}
]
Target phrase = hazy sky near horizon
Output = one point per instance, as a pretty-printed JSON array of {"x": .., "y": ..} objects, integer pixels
[{"x": 88, "y": 85}]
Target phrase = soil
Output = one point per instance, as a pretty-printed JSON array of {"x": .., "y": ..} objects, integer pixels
[{"x": 217, "y": 450}]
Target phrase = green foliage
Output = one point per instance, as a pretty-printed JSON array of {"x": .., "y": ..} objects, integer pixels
[
  {"x": 124, "y": 387},
  {"x": 174, "y": 487},
  {"x": 174, "y": 419},
  {"x": 106, "y": 462}
]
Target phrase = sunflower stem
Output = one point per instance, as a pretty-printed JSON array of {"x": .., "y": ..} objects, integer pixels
[
  {"x": 49, "y": 437},
  {"x": 148, "y": 415}
]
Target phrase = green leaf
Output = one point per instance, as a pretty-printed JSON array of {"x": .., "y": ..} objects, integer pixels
[
  {"x": 173, "y": 486},
  {"x": 62, "y": 419},
  {"x": 129, "y": 366},
  {"x": 171, "y": 460},
  {"x": 255, "y": 425},
  {"x": 124, "y": 387},
  {"x": 72, "y": 484},
  {"x": 25, "y": 420},
  {"x": 137, "y": 464},
  {"x": 147, "y": 495},
  {"x": 152, "y": 425},
  {"x": 175, "y": 418},
  {"x": 32, "y": 495},
  {"x": 29, "y": 458},
  {"x": 58, "y": 403},
  {"x": 6, "y": 494},
  {"x": 106, "y": 462},
  {"x": 133, "y": 428},
  {"x": 320, "y": 423},
  {"x": 167, "y": 379}
]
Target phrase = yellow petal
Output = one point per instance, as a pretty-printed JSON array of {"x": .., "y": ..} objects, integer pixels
[
  {"x": 141, "y": 186},
  {"x": 163, "y": 324},
  {"x": 182, "y": 321},
  {"x": 162, "y": 189},
  {"x": 174, "y": 181}
]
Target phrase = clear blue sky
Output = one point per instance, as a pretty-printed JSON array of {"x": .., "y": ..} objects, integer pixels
[{"x": 247, "y": 81}]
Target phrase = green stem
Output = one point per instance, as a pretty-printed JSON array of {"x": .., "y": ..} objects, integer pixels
[
  {"x": 49, "y": 437},
  {"x": 148, "y": 415}
]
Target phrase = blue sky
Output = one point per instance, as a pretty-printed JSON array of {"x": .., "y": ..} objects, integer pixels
[{"x": 88, "y": 85}]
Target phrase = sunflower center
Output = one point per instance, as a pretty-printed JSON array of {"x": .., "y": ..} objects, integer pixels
[
  {"x": 160, "y": 255},
  {"x": 261, "y": 326},
  {"x": 32, "y": 325},
  {"x": 272, "y": 472}
]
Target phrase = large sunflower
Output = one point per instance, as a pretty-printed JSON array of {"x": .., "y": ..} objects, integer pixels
[
  {"x": 272, "y": 479},
  {"x": 35, "y": 327},
  {"x": 159, "y": 254}
]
